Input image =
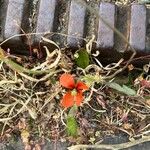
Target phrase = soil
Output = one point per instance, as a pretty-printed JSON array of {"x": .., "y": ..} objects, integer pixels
[{"x": 46, "y": 128}]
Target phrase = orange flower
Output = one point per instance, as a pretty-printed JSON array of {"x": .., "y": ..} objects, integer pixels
[{"x": 75, "y": 93}]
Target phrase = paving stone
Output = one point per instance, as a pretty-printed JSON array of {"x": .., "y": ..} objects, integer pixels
[
  {"x": 14, "y": 17},
  {"x": 76, "y": 24},
  {"x": 46, "y": 16},
  {"x": 105, "y": 35},
  {"x": 138, "y": 27}
]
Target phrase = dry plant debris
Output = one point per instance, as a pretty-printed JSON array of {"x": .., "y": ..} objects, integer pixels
[{"x": 30, "y": 95}]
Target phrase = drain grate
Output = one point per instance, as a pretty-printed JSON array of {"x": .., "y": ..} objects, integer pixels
[
  {"x": 105, "y": 37},
  {"x": 138, "y": 27},
  {"x": 132, "y": 21}
]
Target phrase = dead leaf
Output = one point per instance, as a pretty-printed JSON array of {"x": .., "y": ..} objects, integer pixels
[
  {"x": 37, "y": 52},
  {"x": 142, "y": 125},
  {"x": 25, "y": 136},
  {"x": 37, "y": 147},
  {"x": 92, "y": 140},
  {"x": 130, "y": 67},
  {"x": 119, "y": 111},
  {"x": 127, "y": 126},
  {"x": 22, "y": 124},
  {"x": 124, "y": 116},
  {"x": 148, "y": 102},
  {"x": 85, "y": 123},
  {"x": 19, "y": 59},
  {"x": 101, "y": 101},
  {"x": 27, "y": 147},
  {"x": 145, "y": 83}
]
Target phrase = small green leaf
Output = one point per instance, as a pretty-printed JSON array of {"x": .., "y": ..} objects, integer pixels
[
  {"x": 123, "y": 89},
  {"x": 130, "y": 79},
  {"x": 73, "y": 111},
  {"x": 91, "y": 79},
  {"x": 115, "y": 86},
  {"x": 82, "y": 58},
  {"x": 128, "y": 90},
  {"x": 72, "y": 126},
  {"x": 144, "y": 1}
]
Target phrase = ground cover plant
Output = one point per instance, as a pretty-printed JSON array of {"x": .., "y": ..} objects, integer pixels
[{"x": 62, "y": 98}]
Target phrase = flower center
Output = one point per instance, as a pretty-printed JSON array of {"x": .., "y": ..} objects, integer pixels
[{"x": 74, "y": 92}]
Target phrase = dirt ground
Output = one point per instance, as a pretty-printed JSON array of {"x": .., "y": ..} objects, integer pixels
[{"x": 115, "y": 108}]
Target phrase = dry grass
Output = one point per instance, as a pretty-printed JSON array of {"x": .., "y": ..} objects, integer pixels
[{"x": 36, "y": 98}]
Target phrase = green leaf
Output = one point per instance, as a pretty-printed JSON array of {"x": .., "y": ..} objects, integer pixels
[
  {"x": 82, "y": 58},
  {"x": 91, "y": 79},
  {"x": 144, "y": 1},
  {"x": 72, "y": 126},
  {"x": 73, "y": 111},
  {"x": 128, "y": 90},
  {"x": 130, "y": 80},
  {"x": 123, "y": 89}
]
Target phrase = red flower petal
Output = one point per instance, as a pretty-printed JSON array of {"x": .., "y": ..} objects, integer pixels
[
  {"x": 67, "y": 81},
  {"x": 68, "y": 100},
  {"x": 78, "y": 98},
  {"x": 81, "y": 86}
]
